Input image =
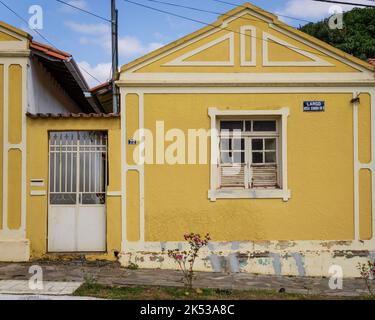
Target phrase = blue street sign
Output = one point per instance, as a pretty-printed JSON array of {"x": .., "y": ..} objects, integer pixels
[{"x": 314, "y": 106}]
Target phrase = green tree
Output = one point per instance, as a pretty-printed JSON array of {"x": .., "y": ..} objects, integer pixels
[{"x": 356, "y": 38}]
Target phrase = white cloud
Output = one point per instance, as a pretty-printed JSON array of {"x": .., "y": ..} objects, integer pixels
[
  {"x": 101, "y": 71},
  {"x": 307, "y": 9},
  {"x": 100, "y": 34},
  {"x": 159, "y": 36},
  {"x": 82, "y": 4},
  {"x": 176, "y": 23},
  {"x": 131, "y": 46},
  {"x": 89, "y": 28}
]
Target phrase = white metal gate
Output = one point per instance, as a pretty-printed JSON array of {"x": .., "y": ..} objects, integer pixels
[{"x": 77, "y": 191}]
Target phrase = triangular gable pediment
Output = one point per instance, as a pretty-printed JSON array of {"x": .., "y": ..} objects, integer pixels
[
  {"x": 12, "y": 39},
  {"x": 250, "y": 41},
  {"x": 218, "y": 52}
]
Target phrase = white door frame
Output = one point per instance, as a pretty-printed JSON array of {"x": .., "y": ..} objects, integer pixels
[{"x": 66, "y": 230}]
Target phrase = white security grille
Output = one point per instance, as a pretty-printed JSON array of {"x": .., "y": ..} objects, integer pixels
[{"x": 78, "y": 168}]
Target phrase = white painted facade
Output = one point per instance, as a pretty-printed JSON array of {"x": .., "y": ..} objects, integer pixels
[{"x": 45, "y": 95}]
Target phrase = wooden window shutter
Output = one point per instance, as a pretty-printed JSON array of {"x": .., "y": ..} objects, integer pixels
[
  {"x": 264, "y": 176},
  {"x": 232, "y": 175}
]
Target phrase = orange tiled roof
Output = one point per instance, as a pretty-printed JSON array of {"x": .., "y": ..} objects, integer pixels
[
  {"x": 101, "y": 86},
  {"x": 50, "y": 50},
  {"x": 72, "y": 115}
]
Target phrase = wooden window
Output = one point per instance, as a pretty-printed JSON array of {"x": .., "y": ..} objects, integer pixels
[{"x": 249, "y": 151}]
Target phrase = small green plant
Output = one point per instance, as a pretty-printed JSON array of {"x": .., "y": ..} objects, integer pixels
[
  {"x": 186, "y": 259},
  {"x": 367, "y": 271},
  {"x": 132, "y": 266},
  {"x": 89, "y": 280}
]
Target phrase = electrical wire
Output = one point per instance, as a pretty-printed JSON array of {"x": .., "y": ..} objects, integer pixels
[
  {"x": 25, "y": 21},
  {"x": 219, "y": 27},
  {"x": 242, "y": 6},
  {"x": 347, "y": 3},
  {"x": 85, "y": 11},
  {"x": 210, "y": 11},
  {"x": 42, "y": 36}
]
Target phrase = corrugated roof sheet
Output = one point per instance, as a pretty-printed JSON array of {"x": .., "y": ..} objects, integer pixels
[{"x": 71, "y": 115}]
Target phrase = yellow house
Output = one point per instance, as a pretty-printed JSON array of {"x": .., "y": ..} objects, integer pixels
[
  {"x": 247, "y": 129},
  {"x": 60, "y": 155},
  {"x": 285, "y": 183}
]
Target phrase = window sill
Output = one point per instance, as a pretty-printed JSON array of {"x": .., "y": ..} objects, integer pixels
[{"x": 231, "y": 193}]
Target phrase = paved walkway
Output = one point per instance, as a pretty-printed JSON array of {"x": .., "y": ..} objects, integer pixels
[
  {"x": 109, "y": 273},
  {"x": 49, "y": 287},
  {"x": 8, "y": 297}
]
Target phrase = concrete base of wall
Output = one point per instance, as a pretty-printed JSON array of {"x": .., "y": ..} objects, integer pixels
[
  {"x": 14, "y": 250},
  {"x": 304, "y": 263}
]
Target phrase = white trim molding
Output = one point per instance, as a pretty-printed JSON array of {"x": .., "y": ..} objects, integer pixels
[
  {"x": 316, "y": 61},
  {"x": 114, "y": 194},
  {"x": 37, "y": 183},
  {"x": 7, "y": 146},
  {"x": 181, "y": 61},
  {"x": 358, "y": 165},
  {"x": 230, "y": 193},
  {"x": 128, "y": 168},
  {"x": 255, "y": 79},
  {"x": 123, "y": 170},
  {"x": 253, "y": 61},
  {"x": 38, "y": 193}
]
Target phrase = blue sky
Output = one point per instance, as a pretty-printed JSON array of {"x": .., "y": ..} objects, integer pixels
[{"x": 141, "y": 30}]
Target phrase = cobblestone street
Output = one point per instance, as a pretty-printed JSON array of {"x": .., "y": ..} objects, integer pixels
[{"x": 110, "y": 273}]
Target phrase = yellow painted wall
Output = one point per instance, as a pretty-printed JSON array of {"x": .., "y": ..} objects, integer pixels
[
  {"x": 248, "y": 45},
  {"x": 1, "y": 140},
  {"x": 365, "y": 204},
  {"x": 14, "y": 189},
  {"x": 37, "y": 168},
  {"x": 218, "y": 52},
  {"x": 132, "y": 123},
  {"x": 7, "y": 37},
  {"x": 132, "y": 206},
  {"x": 15, "y": 104},
  {"x": 320, "y": 173},
  {"x": 281, "y": 53},
  {"x": 15, "y": 119},
  {"x": 364, "y": 129}
]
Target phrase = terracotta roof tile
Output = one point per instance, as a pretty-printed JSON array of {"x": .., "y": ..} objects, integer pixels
[
  {"x": 101, "y": 86},
  {"x": 50, "y": 50},
  {"x": 71, "y": 115},
  {"x": 371, "y": 61}
]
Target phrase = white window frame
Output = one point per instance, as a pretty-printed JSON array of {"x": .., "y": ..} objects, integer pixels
[{"x": 232, "y": 193}]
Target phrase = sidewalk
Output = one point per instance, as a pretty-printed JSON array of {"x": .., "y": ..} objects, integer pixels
[
  {"x": 8, "y": 297},
  {"x": 110, "y": 273},
  {"x": 53, "y": 288}
]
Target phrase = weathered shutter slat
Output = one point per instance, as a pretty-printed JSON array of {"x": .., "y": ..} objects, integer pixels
[
  {"x": 264, "y": 176},
  {"x": 232, "y": 176}
]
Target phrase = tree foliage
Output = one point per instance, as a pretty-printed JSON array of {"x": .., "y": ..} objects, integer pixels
[{"x": 356, "y": 38}]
